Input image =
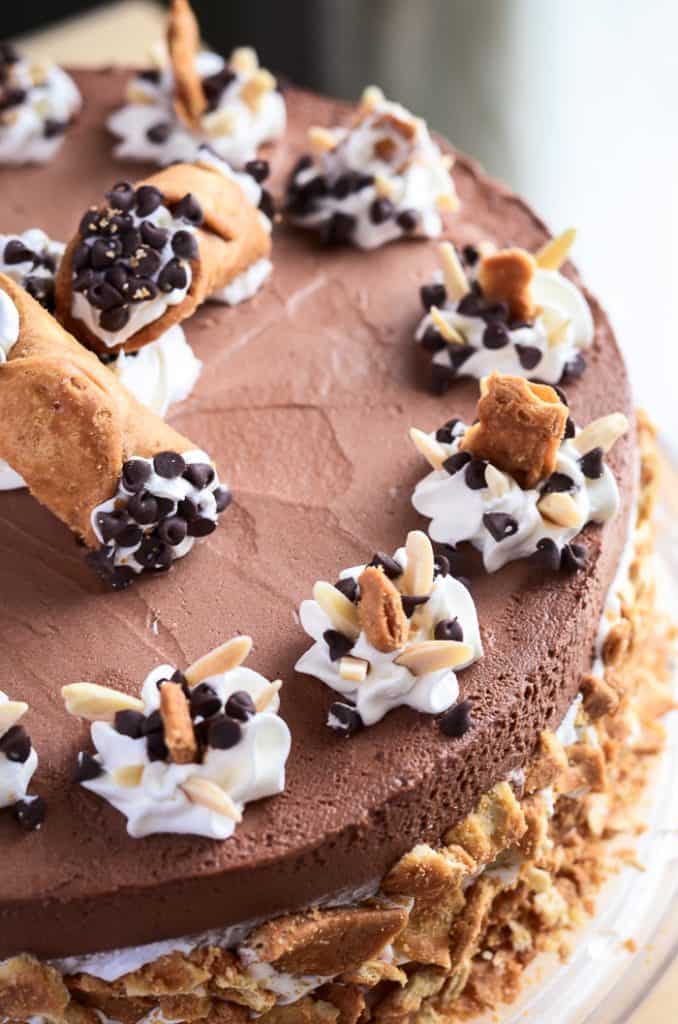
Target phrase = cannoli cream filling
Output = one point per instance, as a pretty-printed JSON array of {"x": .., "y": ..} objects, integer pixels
[
  {"x": 9, "y": 335},
  {"x": 33, "y": 130},
  {"x": 161, "y": 373}
]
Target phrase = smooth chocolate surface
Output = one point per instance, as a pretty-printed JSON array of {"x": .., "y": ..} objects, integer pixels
[{"x": 305, "y": 401}]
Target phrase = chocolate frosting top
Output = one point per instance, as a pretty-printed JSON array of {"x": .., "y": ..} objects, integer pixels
[{"x": 305, "y": 401}]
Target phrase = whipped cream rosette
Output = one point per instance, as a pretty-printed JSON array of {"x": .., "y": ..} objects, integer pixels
[
  {"x": 192, "y": 751},
  {"x": 372, "y": 182},
  {"x": 32, "y": 259},
  {"x": 522, "y": 482},
  {"x": 18, "y": 761},
  {"x": 37, "y": 104},
  {"x": 506, "y": 311},
  {"x": 198, "y": 97},
  {"x": 391, "y": 634},
  {"x": 134, "y": 490}
]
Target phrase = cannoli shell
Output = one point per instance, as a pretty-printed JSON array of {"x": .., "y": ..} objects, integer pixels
[
  {"x": 67, "y": 424},
  {"x": 183, "y": 43},
  {"x": 231, "y": 238}
]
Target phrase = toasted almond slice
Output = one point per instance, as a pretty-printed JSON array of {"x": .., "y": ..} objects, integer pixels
[
  {"x": 322, "y": 140},
  {"x": 220, "y": 122},
  {"x": 456, "y": 281},
  {"x": 448, "y": 201},
  {"x": 176, "y": 718},
  {"x": 129, "y": 775},
  {"x": 256, "y": 87},
  {"x": 244, "y": 59},
  {"x": 449, "y": 333},
  {"x": 433, "y": 655},
  {"x": 557, "y": 334},
  {"x": 433, "y": 452},
  {"x": 561, "y": 509},
  {"x": 372, "y": 98},
  {"x": 497, "y": 482},
  {"x": 10, "y": 713},
  {"x": 552, "y": 255},
  {"x": 353, "y": 670},
  {"x": 208, "y": 794},
  {"x": 341, "y": 612},
  {"x": 97, "y": 703},
  {"x": 265, "y": 698},
  {"x": 418, "y": 578},
  {"x": 38, "y": 73},
  {"x": 601, "y": 433},
  {"x": 383, "y": 186},
  {"x": 222, "y": 659},
  {"x": 136, "y": 95}
]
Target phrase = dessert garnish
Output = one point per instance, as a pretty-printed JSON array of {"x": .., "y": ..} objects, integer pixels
[
  {"x": 378, "y": 179},
  {"x": 523, "y": 481},
  {"x": 32, "y": 259},
  {"x": 189, "y": 753},
  {"x": 505, "y": 310},
  {"x": 197, "y": 97},
  {"x": 37, "y": 104},
  {"x": 18, "y": 761},
  {"x": 146, "y": 258},
  {"x": 133, "y": 489},
  {"x": 390, "y": 634}
]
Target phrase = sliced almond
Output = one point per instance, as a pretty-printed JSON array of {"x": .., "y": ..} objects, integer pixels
[
  {"x": 433, "y": 452},
  {"x": 434, "y": 655},
  {"x": 322, "y": 140},
  {"x": 208, "y": 794},
  {"x": 353, "y": 670},
  {"x": 381, "y": 611},
  {"x": 383, "y": 186},
  {"x": 129, "y": 775},
  {"x": 244, "y": 60},
  {"x": 456, "y": 281},
  {"x": 135, "y": 94},
  {"x": 371, "y": 98},
  {"x": 255, "y": 88},
  {"x": 341, "y": 612},
  {"x": 10, "y": 713},
  {"x": 552, "y": 255},
  {"x": 496, "y": 481},
  {"x": 265, "y": 698},
  {"x": 222, "y": 659},
  {"x": 601, "y": 433},
  {"x": 561, "y": 509},
  {"x": 417, "y": 580},
  {"x": 97, "y": 703},
  {"x": 176, "y": 718},
  {"x": 220, "y": 122},
  {"x": 448, "y": 201},
  {"x": 449, "y": 333}
]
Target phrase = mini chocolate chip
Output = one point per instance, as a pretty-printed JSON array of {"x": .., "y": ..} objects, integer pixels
[
  {"x": 445, "y": 434},
  {"x": 17, "y": 252},
  {"x": 432, "y": 295},
  {"x": 223, "y": 498},
  {"x": 179, "y": 677},
  {"x": 470, "y": 255},
  {"x": 189, "y": 209},
  {"x": 470, "y": 305},
  {"x": 546, "y": 556},
  {"x": 408, "y": 220},
  {"x": 118, "y": 277},
  {"x": 89, "y": 222},
  {"x": 573, "y": 369},
  {"x": 456, "y": 462},
  {"x": 80, "y": 258},
  {"x": 103, "y": 296},
  {"x": 199, "y": 474},
  {"x": 201, "y": 526},
  {"x": 16, "y": 744},
  {"x": 173, "y": 275},
  {"x": 130, "y": 240},
  {"x": 266, "y": 204},
  {"x": 156, "y": 748},
  {"x": 153, "y": 554},
  {"x": 381, "y": 210},
  {"x": 169, "y": 465},
  {"x": 528, "y": 355},
  {"x": 12, "y": 98},
  {"x": 557, "y": 483},
  {"x": 495, "y": 335},
  {"x": 184, "y": 245},
  {"x": 391, "y": 568},
  {"x": 302, "y": 164},
  {"x": 173, "y": 530},
  {"x": 143, "y": 508},
  {"x": 494, "y": 313},
  {"x": 432, "y": 340},
  {"x": 348, "y": 587},
  {"x": 114, "y": 319},
  {"x": 121, "y": 196},
  {"x": 449, "y": 629},
  {"x": 344, "y": 719},
  {"x": 153, "y": 722},
  {"x": 573, "y": 557},
  {"x": 570, "y": 429},
  {"x": 458, "y": 354},
  {"x": 339, "y": 645},
  {"x": 410, "y": 603},
  {"x": 9, "y": 54},
  {"x": 205, "y": 701},
  {"x": 129, "y": 536},
  {"x": 500, "y": 525},
  {"x": 592, "y": 465},
  {"x": 441, "y": 566},
  {"x": 152, "y": 75},
  {"x": 224, "y": 733},
  {"x": 441, "y": 376},
  {"x": 561, "y": 394},
  {"x": 474, "y": 474},
  {"x": 129, "y": 723},
  {"x": 30, "y": 812},
  {"x": 165, "y": 507},
  {"x": 240, "y": 706},
  {"x": 148, "y": 199},
  {"x": 86, "y": 768},
  {"x": 338, "y": 230},
  {"x": 456, "y": 722},
  {"x": 159, "y": 133},
  {"x": 42, "y": 290},
  {"x": 104, "y": 252},
  {"x": 258, "y": 169},
  {"x": 152, "y": 235},
  {"x": 187, "y": 509},
  {"x": 117, "y": 577},
  {"x": 135, "y": 474},
  {"x": 146, "y": 261},
  {"x": 83, "y": 281}
]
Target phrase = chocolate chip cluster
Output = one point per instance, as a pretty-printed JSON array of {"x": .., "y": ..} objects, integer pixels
[
  {"x": 125, "y": 258},
  {"x": 38, "y": 279},
  {"x": 15, "y": 745},
  {"x": 149, "y": 529},
  {"x": 12, "y": 95}
]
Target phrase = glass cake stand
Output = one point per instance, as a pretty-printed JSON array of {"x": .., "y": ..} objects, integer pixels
[{"x": 607, "y": 978}]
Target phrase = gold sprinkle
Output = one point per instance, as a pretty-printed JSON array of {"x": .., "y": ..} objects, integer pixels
[
  {"x": 222, "y": 659},
  {"x": 552, "y": 255}
]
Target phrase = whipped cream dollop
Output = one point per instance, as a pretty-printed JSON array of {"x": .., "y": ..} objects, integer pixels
[
  {"x": 244, "y": 111},
  {"x": 161, "y": 373},
  {"x": 241, "y": 750},
  {"x": 37, "y": 104},
  {"x": 162, "y": 505},
  {"x": 469, "y": 500},
  {"x": 448, "y": 613},
  {"x": 18, "y": 762},
  {"x": 32, "y": 260},
  {"x": 470, "y": 337},
  {"x": 380, "y": 179}
]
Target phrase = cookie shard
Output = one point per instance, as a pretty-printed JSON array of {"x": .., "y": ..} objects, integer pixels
[
  {"x": 382, "y": 618},
  {"x": 506, "y": 276}
]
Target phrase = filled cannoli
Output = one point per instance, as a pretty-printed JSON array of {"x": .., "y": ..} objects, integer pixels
[
  {"x": 135, "y": 491},
  {"x": 150, "y": 254}
]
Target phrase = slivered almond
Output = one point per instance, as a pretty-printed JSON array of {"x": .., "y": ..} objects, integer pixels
[
  {"x": 497, "y": 482},
  {"x": 433, "y": 655},
  {"x": 353, "y": 670},
  {"x": 557, "y": 335},
  {"x": 176, "y": 718},
  {"x": 265, "y": 698},
  {"x": 136, "y": 95},
  {"x": 456, "y": 282},
  {"x": 552, "y": 255},
  {"x": 383, "y": 186},
  {"x": 97, "y": 703},
  {"x": 341, "y": 612},
  {"x": 449, "y": 333},
  {"x": 561, "y": 509},
  {"x": 322, "y": 140},
  {"x": 208, "y": 794},
  {"x": 10, "y": 713},
  {"x": 220, "y": 122},
  {"x": 255, "y": 88},
  {"x": 601, "y": 433},
  {"x": 371, "y": 98},
  {"x": 222, "y": 659},
  {"x": 129, "y": 775},
  {"x": 433, "y": 452},
  {"x": 381, "y": 611},
  {"x": 244, "y": 59},
  {"x": 448, "y": 201},
  {"x": 418, "y": 578}
]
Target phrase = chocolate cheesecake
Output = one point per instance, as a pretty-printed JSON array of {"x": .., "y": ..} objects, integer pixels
[{"x": 306, "y": 398}]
